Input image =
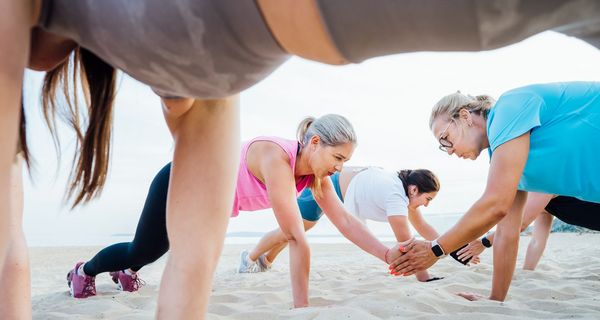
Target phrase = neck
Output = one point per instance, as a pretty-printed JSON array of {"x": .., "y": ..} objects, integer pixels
[
  {"x": 302, "y": 165},
  {"x": 481, "y": 124}
]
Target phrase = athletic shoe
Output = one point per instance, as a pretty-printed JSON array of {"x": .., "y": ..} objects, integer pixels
[
  {"x": 245, "y": 265},
  {"x": 127, "y": 282},
  {"x": 263, "y": 264},
  {"x": 80, "y": 286}
]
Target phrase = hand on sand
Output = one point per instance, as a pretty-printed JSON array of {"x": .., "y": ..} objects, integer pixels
[
  {"x": 471, "y": 296},
  {"x": 474, "y": 248},
  {"x": 417, "y": 257}
]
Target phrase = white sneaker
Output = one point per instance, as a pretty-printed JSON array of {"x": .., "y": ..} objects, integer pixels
[
  {"x": 245, "y": 265},
  {"x": 263, "y": 263}
]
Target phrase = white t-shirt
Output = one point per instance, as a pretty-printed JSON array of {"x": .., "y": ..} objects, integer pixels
[{"x": 376, "y": 194}]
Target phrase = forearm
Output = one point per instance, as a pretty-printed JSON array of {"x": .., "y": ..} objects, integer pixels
[
  {"x": 428, "y": 232},
  {"x": 299, "y": 270},
  {"x": 355, "y": 231},
  {"x": 14, "y": 41},
  {"x": 480, "y": 218},
  {"x": 505, "y": 257},
  {"x": 15, "y": 296},
  {"x": 506, "y": 247}
]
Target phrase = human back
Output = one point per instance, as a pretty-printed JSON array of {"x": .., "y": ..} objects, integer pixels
[{"x": 563, "y": 120}]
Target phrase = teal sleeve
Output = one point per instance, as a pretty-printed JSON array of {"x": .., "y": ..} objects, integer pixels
[{"x": 513, "y": 115}]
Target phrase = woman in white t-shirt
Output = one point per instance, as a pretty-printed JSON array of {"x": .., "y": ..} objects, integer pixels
[{"x": 369, "y": 193}]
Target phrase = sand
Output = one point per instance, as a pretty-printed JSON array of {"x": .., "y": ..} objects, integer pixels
[{"x": 345, "y": 283}]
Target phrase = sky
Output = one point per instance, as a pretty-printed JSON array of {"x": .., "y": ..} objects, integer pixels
[{"x": 388, "y": 100}]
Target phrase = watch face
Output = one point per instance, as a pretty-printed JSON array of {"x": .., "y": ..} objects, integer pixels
[{"x": 437, "y": 250}]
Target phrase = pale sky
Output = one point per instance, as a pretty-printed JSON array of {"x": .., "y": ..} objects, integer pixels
[{"x": 387, "y": 99}]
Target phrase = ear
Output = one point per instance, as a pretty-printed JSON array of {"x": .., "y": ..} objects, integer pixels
[
  {"x": 465, "y": 116},
  {"x": 412, "y": 190},
  {"x": 314, "y": 140}
]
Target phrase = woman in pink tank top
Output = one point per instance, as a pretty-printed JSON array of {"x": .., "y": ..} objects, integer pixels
[{"x": 271, "y": 175}]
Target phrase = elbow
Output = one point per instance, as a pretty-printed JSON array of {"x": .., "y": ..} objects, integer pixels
[{"x": 499, "y": 213}]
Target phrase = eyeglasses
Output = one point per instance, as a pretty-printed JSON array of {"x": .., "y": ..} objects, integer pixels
[{"x": 445, "y": 145}]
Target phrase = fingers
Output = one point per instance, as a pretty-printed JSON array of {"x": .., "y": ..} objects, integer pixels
[
  {"x": 465, "y": 255},
  {"x": 405, "y": 246}
]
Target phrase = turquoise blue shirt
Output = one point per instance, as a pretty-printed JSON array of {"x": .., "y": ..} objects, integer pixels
[{"x": 564, "y": 122}]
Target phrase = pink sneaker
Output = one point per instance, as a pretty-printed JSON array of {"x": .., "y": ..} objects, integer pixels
[
  {"x": 80, "y": 286},
  {"x": 127, "y": 282}
]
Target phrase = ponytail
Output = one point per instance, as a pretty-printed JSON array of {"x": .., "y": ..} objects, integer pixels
[
  {"x": 92, "y": 155},
  {"x": 423, "y": 179}
]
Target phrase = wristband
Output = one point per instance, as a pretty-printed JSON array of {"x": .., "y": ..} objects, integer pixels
[
  {"x": 486, "y": 242},
  {"x": 437, "y": 249}
]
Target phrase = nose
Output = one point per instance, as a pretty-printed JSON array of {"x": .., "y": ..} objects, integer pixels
[
  {"x": 426, "y": 204},
  {"x": 450, "y": 151},
  {"x": 338, "y": 167}
]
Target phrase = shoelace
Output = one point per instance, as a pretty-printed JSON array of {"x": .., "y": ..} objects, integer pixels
[
  {"x": 89, "y": 285},
  {"x": 137, "y": 282}
]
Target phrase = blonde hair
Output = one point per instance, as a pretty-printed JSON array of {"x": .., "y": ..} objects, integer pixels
[
  {"x": 450, "y": 106},
  {"x": 333, "y": 129}
]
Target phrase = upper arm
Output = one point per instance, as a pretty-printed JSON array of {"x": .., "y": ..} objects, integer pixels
[
  {"x": 506, "y": 168},
  {"x": 279, "y": 180}
]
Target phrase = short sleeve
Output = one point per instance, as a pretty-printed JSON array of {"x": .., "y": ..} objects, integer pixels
[
  {"x": 513, "y": 115},
  {"x": 396, "y": 204}
]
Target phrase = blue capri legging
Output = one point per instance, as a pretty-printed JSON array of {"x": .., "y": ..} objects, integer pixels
[{"x": 309, "y": 208}]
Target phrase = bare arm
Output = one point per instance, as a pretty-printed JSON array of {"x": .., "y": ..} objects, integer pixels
[
  {"x": 14, "y": 44},
  {"x": 349, "y": 225},
  {"x": 207, "y": 148},
  {"x": 505, "y": 171},
  {"x": 505, "y": 250},
  {"x": 422, "y": 227},
  {"x": 280, "y": 182}
]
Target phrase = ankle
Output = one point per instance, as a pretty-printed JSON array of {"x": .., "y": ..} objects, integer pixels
[
  {"x": 81, "y": 272},
  {"x": 129, "y": 272}
]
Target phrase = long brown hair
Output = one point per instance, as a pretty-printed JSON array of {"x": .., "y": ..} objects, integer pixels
[{"x": 92, "y": 155}]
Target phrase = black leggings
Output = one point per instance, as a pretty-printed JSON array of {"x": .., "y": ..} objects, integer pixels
[{"x": 150, "y": 241}]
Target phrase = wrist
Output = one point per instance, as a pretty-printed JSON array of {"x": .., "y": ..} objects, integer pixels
[
  {"x": 385, "y": 256},
  {"x": 437, "y": 249},
  {"x": 486, "y": 242}
]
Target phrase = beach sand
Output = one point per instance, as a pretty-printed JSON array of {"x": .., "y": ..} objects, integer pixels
[{"x": 345, "y": 283}]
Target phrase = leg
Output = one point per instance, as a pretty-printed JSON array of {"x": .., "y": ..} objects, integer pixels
[
  {"x": 150, "y": 241},
  {"x": 200, "y": 199},
  {"x": 273, "y": 242},
  {"x": 15, "y": 296},
  {"x": 541, "y": 231}
]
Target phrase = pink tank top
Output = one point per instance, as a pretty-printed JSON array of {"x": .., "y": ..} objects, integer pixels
[{"x": 251, "y": 193}]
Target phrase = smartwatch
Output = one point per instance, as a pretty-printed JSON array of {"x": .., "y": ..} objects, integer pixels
[
  {"x": 437, "y": 249},
  {"x": 486, "y": 242}
]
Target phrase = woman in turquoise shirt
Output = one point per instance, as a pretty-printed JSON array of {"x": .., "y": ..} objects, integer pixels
[{"x": 541, "y": 138}]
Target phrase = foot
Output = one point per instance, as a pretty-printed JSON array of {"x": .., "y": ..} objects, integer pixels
[
  {"x": 263, "y": 263},
  {"x": 247, "y": 266},
  {"x": 127, "y": 282},
  {"x": 80, "y": 286}
]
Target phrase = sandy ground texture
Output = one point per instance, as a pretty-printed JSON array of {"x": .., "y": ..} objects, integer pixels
[{"x": 345, "y": 283}]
